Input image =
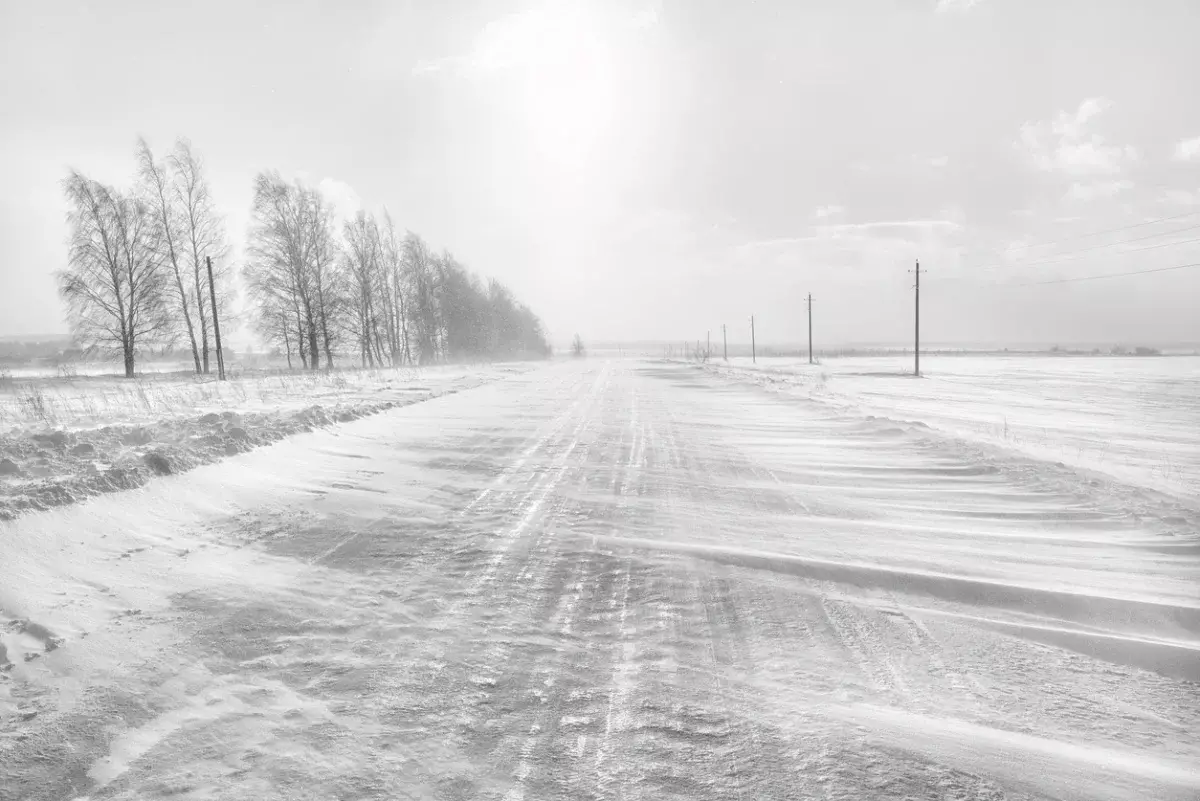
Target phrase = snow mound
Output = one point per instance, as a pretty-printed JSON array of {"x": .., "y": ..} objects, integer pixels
[{"x": 53, "y": 466}]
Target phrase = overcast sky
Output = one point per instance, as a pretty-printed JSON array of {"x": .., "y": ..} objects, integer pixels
[{"x": 637, "y": 169}]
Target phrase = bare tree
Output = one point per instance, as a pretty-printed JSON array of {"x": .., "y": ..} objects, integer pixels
[
  {"x": 159, "y": 194},
  {"x": 394, "y": 292},
  {"x": 202, "y": 235},
  {"x": 322, "y": 269},
  {"x": 421, "y": 276},
  {"x": 291, "y": 269},
  {"x": 115, "y": 283},
  {"x": 364, "y": 284},
  {"x": 274, "y": 269}
]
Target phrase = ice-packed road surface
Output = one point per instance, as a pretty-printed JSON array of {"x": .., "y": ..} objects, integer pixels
[{"x": 607, "y": 580}]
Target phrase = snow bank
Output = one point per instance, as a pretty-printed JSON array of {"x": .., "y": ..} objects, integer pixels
[{"x": 74, "y": 438}]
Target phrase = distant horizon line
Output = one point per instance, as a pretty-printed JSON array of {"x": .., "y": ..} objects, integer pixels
[
  {"x": 823, "y": 347},
  {"x": 992, "y": 345}
]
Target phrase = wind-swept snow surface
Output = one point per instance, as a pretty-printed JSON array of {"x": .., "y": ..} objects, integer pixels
[
  {"x": 607, "y": 580},
  {"x": 1134, "y": 418},
  {"x": 78, "y": 437}
]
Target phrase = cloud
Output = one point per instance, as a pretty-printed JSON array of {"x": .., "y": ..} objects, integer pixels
[
  {"x": 346, "y": 202},
  {"x": 937, "y": 162},
  {"x": 340, "y": 195},
  {"x": 924, "y": 225},
  {"x": 825, "y": 232},
  {"x": 946, "y": 6},
  {"x": 645, "y": 18},
  {"x": 540, "y": 37},
  {"x": 1095, "y": 190},
  {"x": 502, "y": 43},
  {"x": 1066, "y": 144},
  {"x": 1188, "y": 150},
  {"x": 1181, "y": 197},
  {"x": 877, "y": 245},
  {"x": 823, "y": 212},
  {"x": 434, "y": 66}
]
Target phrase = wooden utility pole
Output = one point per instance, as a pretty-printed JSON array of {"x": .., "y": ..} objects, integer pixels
[
  {"x": 753, "y": 346},
  {"x": 917, "y": 322},
  {"x": 810, "y": 361},
  {"x": 212, "y": 293},
  {"x": 724, "y": 343}
]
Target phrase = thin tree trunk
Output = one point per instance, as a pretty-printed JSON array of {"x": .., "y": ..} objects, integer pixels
[
  {"x": 203, "y": 321},
  {"x": 404, "y": 331},
  {"x": 183, "y": 304},
  {"x": 325, "y": 336},
  {"x": 302, "y": 343},
  {"x": 187, "y": 319},
  {"x": 287, "y": 344},
  {"x": 314, "y": 348},
  {"x": 155, "y": 175},
  {"x": 127, "y": 346}
]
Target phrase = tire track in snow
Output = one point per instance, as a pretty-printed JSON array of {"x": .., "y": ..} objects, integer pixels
[
  {"x": 531, "y": 447},
  {"x": 499, "y": 609},
  {"x": 544, "y": 689},
  {"x": 608, "y": 766},
  {"x": 427, "y": 684}
]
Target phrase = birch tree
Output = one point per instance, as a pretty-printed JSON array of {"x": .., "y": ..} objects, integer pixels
[
  {"x": 115, "y": 283},
  {"x": 421, "y": 278},
  {"x": 365, "y": 285},
  {"x": 157, "y": 187},
  {"x": 291, "y": 269},
  {"x": 202, "y": 235}
]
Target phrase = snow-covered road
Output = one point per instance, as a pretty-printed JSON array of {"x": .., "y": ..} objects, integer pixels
[{"x": 607, "y": 579}]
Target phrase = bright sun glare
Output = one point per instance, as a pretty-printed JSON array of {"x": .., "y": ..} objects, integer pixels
[{"x": 562, "y": 66}]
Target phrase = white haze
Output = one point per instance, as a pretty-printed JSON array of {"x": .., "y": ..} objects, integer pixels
[{"x": 649, "y": 170}]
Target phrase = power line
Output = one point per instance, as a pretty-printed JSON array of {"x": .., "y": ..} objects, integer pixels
[
  {"x": 1101, "y": 233},
  {"x": 1109, "y": 275},
  {"x": 1072, "y": 256},
  {"x": 1069, "y": 256},
  {"x": 1117, "y": 253}
]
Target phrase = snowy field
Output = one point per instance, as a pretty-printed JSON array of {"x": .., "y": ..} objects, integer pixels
[
  {"x": 624, "y": 578},
  {"x": 1136, "y": 419}
]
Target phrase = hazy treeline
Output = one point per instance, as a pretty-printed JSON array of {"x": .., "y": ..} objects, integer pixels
[
  {"x": 136, "y": 278},
  {"x": 369, "y": 290}
]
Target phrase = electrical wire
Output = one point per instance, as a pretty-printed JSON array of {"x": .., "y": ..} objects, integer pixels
[
  {"x": 1109, "y": 275},
  {"x": 1101, "y": 233},
  {"x": 1134, "y": 250},
  {"x": 1073, "y": 254}
]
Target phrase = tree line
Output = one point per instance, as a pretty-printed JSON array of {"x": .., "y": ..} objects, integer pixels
[{"x": 136, "y": 277}]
